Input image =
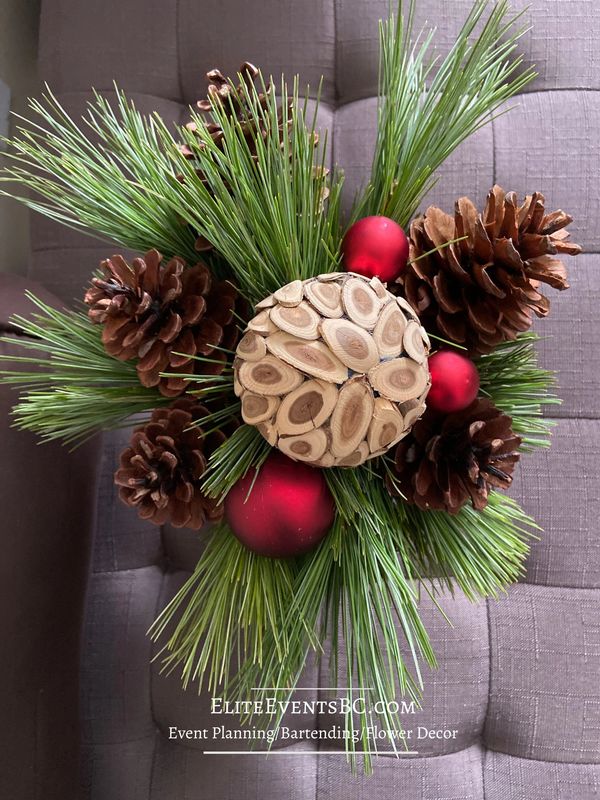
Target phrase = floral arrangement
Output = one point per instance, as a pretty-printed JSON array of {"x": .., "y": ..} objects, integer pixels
[{"x": 340, "y": 397}]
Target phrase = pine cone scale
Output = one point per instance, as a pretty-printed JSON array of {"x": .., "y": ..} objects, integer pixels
[
  {"x": 483, "y": 289},
  {"x": 160, "y": 473},
  {"x": 164, "y": 316},
  {"x": 447, "y": 461}
]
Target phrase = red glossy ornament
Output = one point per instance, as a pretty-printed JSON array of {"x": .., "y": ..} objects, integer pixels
[
  {"x": 375, "y": 247},
  {"x": 288, "y": 511},
  {"x": 454, "y": 382}
]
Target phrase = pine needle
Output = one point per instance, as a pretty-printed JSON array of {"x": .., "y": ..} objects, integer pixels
[
  {"x": 510, "y": 375},
  {"x": 429, "y": 106},
  {"x": 78, "y": 388}
]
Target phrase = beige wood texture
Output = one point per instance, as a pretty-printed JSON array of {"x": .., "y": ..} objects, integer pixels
[{"x": 333, "y": 370}]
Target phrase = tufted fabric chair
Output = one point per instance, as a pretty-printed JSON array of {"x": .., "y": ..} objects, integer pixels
[{"x": 518, "y": 676}]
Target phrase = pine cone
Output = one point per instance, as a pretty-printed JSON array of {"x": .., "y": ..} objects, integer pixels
[
  {"x": 160, "y": 472},
  {"x": 219, "y": 87},
  {"x": 153, "y": 312},
  {"x": 482, "y": 290},
  {"x": 448, "y": 459}
]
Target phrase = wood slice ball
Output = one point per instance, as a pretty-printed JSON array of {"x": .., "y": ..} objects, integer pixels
[{"x": 333, "y": 370}]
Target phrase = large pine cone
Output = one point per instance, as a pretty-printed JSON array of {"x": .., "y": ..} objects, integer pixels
[
  {"x": 483, "y": 290},
  {"x": 164, "y": 315},
  {"x": 333, "y": 370},
  {"x": 449, "y": 459},
  {"x": 160, "y": 472}
]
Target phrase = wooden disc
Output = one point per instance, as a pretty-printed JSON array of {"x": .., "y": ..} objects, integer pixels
[
  {"x": 238, "y": 389},
  {"x": 262, "y": 324},
  {"x": 308, "y": 447},
  {"x": 360, "y": 302},
  {"x": 399, "y": 379},
  {"x": 413, "y": 415},
  {"x": 351, "y": 417},
  {"x": 307, "y": 407},
  {"x": 356, "y": 458},
  {"x": 268, "y": 431},
  {"x": 268, "y": 302},
  {"x": 327, "y": 460},
  {"x": 389, "y": 331},
  {"x": 251, "y": 347},
  {"x": 290, "y": 294},
  {"x": 413, "y": 342},
  {"x": 385, "y": 450},
  {"x": 325, "y": 297},
  {"x": 351, "y": 344},
  {"x": 300, "y": 320},
  {"x": 423, "y": 396},
  {"x": 312, "y": 357},
  {"x": 407, "y": 308},
  {"x": 324, "y": 277},
  {"x": 379, "y": 288},
  {"x": 258, "y": 407},
  {"x": 269, "y": 376},
  {"x": 426, "y": 338},
  {"x": 387, "y": 426}
]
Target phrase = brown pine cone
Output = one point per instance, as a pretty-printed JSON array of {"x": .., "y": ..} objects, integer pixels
[
  {"x": 219, "y": 87},
  {"x": 483, "y": 290},
  {"x": 164, "y": 315},
  {"x": 160, "y": 472},
  {"x": 448, "y": 459}
]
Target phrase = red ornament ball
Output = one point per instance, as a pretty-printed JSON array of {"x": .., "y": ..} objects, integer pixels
[
  {"x": 288, "y": 511},
  {"x": 454, "y": 382},
  {"x": 375, "y": 247}
]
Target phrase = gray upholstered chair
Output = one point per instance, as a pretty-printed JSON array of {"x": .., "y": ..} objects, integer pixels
[{"x": 519, "y": 676}]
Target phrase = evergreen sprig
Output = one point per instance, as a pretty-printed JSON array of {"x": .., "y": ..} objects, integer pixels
[
  {"x": 429, "y": 106},
  {"x": 511, "y": 376},
  {"x": 262, "y": 206},
  {"x": 115, "y": 187},
  {"x": 226, "y": 614},
  {"x": 78, "y": 388},
  {"x": 243, "y": 450},
  {"x": 266, "y": 216}
]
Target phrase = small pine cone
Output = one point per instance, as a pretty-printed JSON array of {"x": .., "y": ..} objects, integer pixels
[
  {"x": 164, "y": 315},
  {"x": 450, "y": 459},
  {"x": 483, "y": 290},
  {"x": 220, "y": 88},
  {"x": 160, "y": 472}
]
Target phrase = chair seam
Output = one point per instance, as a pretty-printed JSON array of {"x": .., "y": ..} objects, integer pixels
[
  {"x": 489, "y": 694},
  {"x": 546, "y": 760},
  {"x": 150, "y": 689}
]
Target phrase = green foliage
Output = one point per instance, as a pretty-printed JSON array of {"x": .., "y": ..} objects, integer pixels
[
  {"x": 481, "y": 552},
  {"x": 266, "y": 218},
  {"x": 231, "y": 605},
  {"x": 429, "y": 106},
  {"x": 510, "y": 375},
  {"x": 78, "y": 389},
  {"x": 119, "y": 187},
  {"x": 244, "y": 449},
  {"x": 266, "y": 215}
]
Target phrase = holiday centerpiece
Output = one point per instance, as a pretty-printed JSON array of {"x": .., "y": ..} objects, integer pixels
[{"x": 341, "y": 398}]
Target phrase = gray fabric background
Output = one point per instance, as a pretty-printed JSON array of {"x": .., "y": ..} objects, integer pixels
[{"x": 519, "y": 677}]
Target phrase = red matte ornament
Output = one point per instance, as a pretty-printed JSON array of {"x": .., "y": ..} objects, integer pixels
[
  {"x": 454, "y": 382},
  {"x": 287, "y": 512},
  {"x": 375, "y": 247}
]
